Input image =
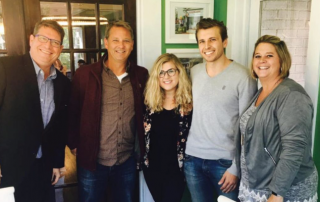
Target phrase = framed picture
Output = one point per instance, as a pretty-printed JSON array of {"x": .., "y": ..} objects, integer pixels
[
  {"x": 188, "y": 57},
  {"x": 182, "y": 17}
]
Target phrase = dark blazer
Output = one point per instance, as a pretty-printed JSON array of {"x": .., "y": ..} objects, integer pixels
[
  {"x": 21, "y": 125},
  {"x": 85, "y": 111}
]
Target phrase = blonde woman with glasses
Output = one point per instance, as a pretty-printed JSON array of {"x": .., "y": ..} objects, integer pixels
[{"x": 168, "y": 100}]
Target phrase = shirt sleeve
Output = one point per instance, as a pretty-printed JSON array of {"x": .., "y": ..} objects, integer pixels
[
  {"x": 295, "y": 115},
  {"x": 2, "y": 83},
  {"x": 247, "y": 90}
]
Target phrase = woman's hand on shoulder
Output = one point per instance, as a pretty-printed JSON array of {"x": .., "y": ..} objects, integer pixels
[{"x": 274, "y": 198}]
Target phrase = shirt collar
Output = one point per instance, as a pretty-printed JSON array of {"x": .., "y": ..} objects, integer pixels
[
  {"x": 38, "y": 70},
  {"x": 107, "y": 69}
]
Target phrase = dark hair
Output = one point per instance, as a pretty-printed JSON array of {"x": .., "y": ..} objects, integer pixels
[
  {"x": 207, "y": 23},
  {"x": 49, "y": 23},
  {"x": 282, "y": 51},
  {"x": 81, "y": 61},
  {"x": 118, "y": 24}
]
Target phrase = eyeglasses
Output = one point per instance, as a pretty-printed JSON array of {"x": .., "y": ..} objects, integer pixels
[
  {"x": 44, "y": 39},
  {"x": 170, "y": 72}
]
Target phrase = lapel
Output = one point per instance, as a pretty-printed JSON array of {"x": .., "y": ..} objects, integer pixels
[
  {"x": 58, "y": 93},
  {"x": 96, "y": 70},
  {"x": 32, "y": 89}
]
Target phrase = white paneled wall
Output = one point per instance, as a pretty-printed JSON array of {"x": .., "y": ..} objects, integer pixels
[
  {"x": 148, "y": 31},
  {"x": 149, "y": 48}
]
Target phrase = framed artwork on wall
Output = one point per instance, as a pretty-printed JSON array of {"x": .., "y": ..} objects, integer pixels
[
  {"x": 182, "y": 17},
  {"x": 188, "y": 57}
]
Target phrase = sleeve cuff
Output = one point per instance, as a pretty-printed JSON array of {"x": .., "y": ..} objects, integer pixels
[{"x": 233, "y": 169}]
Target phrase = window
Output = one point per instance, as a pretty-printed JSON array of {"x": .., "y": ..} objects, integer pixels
[
  {"x": 86, "y": 41},
  {"x": 2, "y": 35}
]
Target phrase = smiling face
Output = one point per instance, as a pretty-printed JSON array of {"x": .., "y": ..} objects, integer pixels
[
  {"x": 169, "y": 83},
  {"x": 44, "y": 54},
  {"x": 210, "y": 44},
  {"x": 119, "y": 44},
  {"x": 266, "y": 62}
]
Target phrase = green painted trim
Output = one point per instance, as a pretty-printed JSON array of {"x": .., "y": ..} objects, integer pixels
[
  {"x": 220, "y": 13},
  {"x": 220, "y": 10},
  {"x": 316, "y": 147}
]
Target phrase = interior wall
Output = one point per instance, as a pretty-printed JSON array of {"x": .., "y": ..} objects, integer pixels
[
  {"x": 148, "y": 49},
  {"x": 289, "y": 20},
  {"x": 220, "y": 13},
  {"x": 148, "y": 32}
]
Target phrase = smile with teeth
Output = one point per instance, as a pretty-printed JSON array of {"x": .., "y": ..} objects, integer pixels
[
  {"x": 46, "y": 52},
  {"x": 208, "y": 53},
  {"x": 263, "y": 68},
  {"x": 167, "y": 82}
]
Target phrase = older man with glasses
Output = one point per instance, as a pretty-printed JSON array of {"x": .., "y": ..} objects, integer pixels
[{"x": 33, "y": 116}]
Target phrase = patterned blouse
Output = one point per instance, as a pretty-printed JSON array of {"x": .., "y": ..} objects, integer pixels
[{"x": 184, "y": 126}]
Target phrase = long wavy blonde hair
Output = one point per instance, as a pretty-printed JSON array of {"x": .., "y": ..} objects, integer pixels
[{"x": 154, "y": 94}]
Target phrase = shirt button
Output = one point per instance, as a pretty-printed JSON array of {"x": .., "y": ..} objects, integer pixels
[
  {"x": 120, "y": 103},
  {"x": 119, "y": 132},
  {"x": 120, "y": 118}
]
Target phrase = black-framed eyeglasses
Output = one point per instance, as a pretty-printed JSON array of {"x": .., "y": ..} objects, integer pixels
[
  {"x": 44, "y": 39},
  {"x": 170, "y": 72}
]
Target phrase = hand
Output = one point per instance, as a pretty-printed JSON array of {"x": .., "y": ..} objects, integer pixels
[
  {"x": 274, "y": 198},
  {"x": 55, "y": 176},
  {"x": 0, "y": 174},
  {"x": 229, "y": 182},
  {"x": 74, "y": 151},
  {"x": 62, "y": 172}
]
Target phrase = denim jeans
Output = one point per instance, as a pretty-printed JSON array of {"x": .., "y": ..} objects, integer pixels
[
  {"x": 203, "y": 176},
  {"x": 92, "y": 184}
]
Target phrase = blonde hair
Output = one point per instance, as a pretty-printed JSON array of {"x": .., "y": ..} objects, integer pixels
[
  {"x": 154, "y": 94},
  {"x": 282, "y": 51}
]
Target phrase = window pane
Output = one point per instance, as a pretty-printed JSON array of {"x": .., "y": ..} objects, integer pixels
[
  {"x": 65, "y": 60},
  {"x": 2, "y": 39},
  {"x": 77, "y": 57},
  {"x": 110, "y": 13},
  {"x": 83, "y": 25},
  {"x": 88, "y": 58},
  {"x": 58, "y": 12}
]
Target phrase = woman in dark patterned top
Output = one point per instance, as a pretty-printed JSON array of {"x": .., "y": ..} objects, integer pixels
[{"x": 167, "y": 121}]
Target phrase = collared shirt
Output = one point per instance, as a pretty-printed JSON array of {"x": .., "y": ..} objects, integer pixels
[
  {"x": 46, "y": 95},
  {"x": 117, "y": 126}
]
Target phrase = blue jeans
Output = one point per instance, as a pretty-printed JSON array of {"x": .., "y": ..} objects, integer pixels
[
  {"x": 92, "y": 184},
  {"x": 203, "y": 176}
]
